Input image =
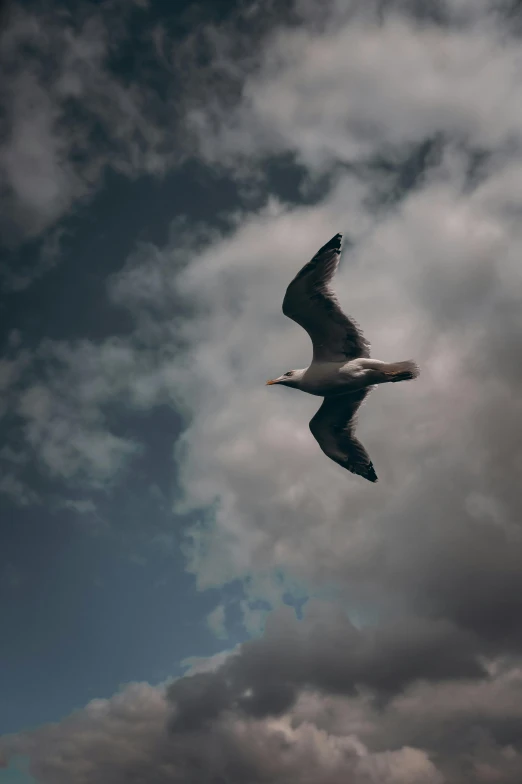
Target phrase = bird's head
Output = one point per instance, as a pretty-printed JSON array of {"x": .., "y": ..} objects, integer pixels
[{"x": 289, "y": 379}]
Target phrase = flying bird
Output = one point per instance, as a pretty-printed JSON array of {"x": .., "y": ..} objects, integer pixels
[{"x": 341, "y": 370}]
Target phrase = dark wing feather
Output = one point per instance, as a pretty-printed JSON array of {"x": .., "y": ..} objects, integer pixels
[
  {"x": 333, "y": 428},
  {"x": 310, "y": 302}
]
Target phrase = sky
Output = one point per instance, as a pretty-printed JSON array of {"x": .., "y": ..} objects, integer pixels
[{"x": 189, "y": 589}]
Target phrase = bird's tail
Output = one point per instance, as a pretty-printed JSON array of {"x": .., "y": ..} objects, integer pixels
[{"x": 401, "y": 371}]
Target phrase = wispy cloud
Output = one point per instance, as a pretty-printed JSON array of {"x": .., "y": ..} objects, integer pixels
[
  {"x": 216, "y": 621},
  {"x": 18, "y": 491},
  {"x": 68, "y": 117}
]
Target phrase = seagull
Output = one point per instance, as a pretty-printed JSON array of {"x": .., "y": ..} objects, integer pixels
[{"x": 341, "y": 370}]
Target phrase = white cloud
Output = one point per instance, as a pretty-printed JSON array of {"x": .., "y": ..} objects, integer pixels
[
  {"x": 351, "y": 87},
  {"x": 434, "y": 278},
  {"x": 68, "y": 440},
  {"x": 408, "y": 281},
  {"x": 81, "y": 506},
  {"x": 216, "y": 621}
]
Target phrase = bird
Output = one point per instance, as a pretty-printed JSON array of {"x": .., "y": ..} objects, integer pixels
[{"x": 341, "y": 370}]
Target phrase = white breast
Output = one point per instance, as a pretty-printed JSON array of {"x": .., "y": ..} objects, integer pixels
[{"x": 322, "y": 378}]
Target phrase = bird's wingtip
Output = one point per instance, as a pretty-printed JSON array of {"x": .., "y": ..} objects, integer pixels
[
  {"x": 372, "y": 476},
  {"x": 334, "y": 243}
]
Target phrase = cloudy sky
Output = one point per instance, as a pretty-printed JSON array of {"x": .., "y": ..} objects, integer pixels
[{"x": 190, "y": 590}]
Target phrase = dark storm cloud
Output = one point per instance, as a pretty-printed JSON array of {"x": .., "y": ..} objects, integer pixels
[
  {"x": 327, "y": 732},
  {"x": 323, "y": 652},
  {"x": 123, "y": 740}
]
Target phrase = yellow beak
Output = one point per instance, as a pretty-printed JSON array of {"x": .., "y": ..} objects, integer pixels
[{"x": 272, "y": 381}]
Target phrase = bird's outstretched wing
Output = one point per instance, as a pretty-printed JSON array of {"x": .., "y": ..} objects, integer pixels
[
  {"x": 310, "y": 302},
  {"x": 333, "y": 428}
]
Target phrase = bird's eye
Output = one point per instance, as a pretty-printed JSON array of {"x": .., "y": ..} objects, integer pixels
[{"x": 289, "y": 373}]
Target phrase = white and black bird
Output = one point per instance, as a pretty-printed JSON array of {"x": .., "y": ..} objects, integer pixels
[{"x": 341, "y": 370}]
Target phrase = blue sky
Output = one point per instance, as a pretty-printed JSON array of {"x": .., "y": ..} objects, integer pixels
[
  {"x": 17, "y": 773},
  {"x": 93, "y": 600},
  {"x": 98, "y": 595},
  {"x": 181, "y": 568}
]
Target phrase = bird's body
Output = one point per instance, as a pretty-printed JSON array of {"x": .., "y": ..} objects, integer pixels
[
  {"x": 341, "y": 370},
  {"x": 338, "y": 378}
]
